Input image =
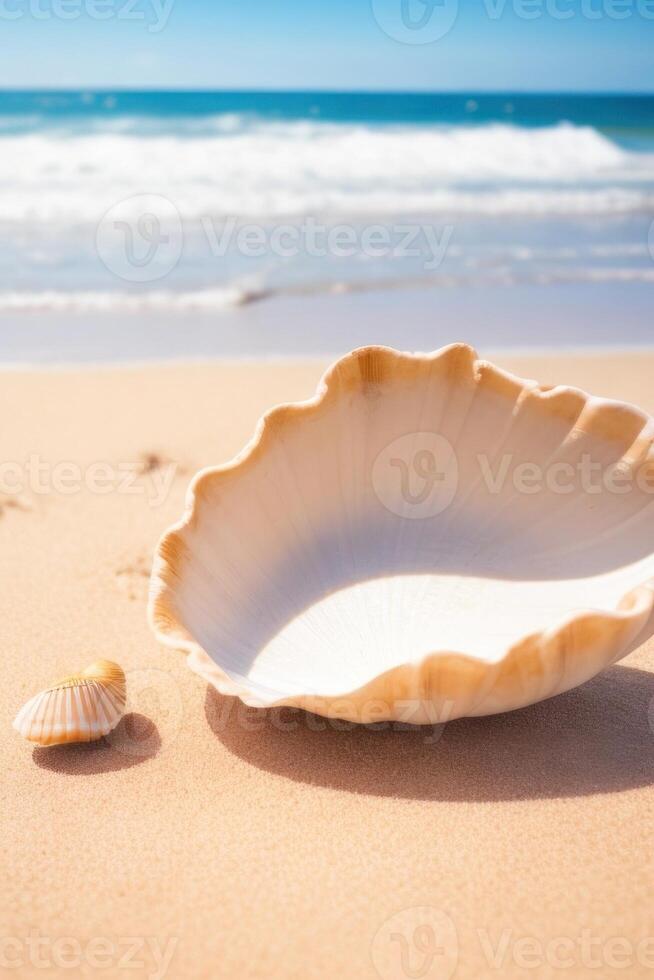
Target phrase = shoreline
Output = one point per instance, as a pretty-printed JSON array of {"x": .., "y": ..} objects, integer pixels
[{"x": 516, "y": 320}]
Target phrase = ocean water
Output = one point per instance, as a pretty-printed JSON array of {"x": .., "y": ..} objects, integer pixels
[{"x": 126, "y": 202}]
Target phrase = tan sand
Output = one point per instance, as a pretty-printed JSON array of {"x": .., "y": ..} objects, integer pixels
[{"x": 212, "y": 841}]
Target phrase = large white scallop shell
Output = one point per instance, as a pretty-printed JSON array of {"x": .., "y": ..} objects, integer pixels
[
  {"x": 379, "y": 552},
  {"x": 80, "y": 708}
]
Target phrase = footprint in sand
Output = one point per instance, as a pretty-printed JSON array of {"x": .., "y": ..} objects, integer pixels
[
  {"x": 9, "y": 503},
  {"x": 149, "y": 462},
  {"x": 134, "y": 577}
]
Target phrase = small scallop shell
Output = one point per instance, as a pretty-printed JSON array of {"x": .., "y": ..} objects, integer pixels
[{"x": 80, "y": 708}]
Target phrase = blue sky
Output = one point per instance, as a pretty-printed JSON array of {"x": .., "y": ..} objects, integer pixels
[{"x": 527, "y": 45}]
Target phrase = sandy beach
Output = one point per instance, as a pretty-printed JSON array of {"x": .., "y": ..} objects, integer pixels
[{"x": 206, "y": 840}]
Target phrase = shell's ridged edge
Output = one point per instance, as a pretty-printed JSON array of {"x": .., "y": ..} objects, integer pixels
[
  {"x": 81, "y": 708},
  {"x": 446, "y": 684}
]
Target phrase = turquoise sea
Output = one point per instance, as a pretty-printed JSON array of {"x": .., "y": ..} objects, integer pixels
[
  {"x": 198, "y": 205},
  {"x": 621, "y": 115}
]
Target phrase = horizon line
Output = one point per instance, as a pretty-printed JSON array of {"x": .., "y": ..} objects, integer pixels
[{"x": 101, "y": 89}]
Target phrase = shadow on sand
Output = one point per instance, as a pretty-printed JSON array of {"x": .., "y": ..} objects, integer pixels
[
  {"x": 134, "y": 740},
  {"x": 598, "y": 738}
]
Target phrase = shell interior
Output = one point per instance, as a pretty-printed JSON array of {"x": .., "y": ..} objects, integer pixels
[{"x": 384, "y": 541}]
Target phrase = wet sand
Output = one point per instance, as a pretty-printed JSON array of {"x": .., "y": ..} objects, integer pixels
[{"x": 530, "y": 318}]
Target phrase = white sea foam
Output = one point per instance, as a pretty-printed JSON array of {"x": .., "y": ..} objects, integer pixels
[
  {"x": 104, "y": 301},
  {"x": 266, "y": 170},
  {"x": 233, "y": 296},
  {"x": 59, "y": 181}
]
